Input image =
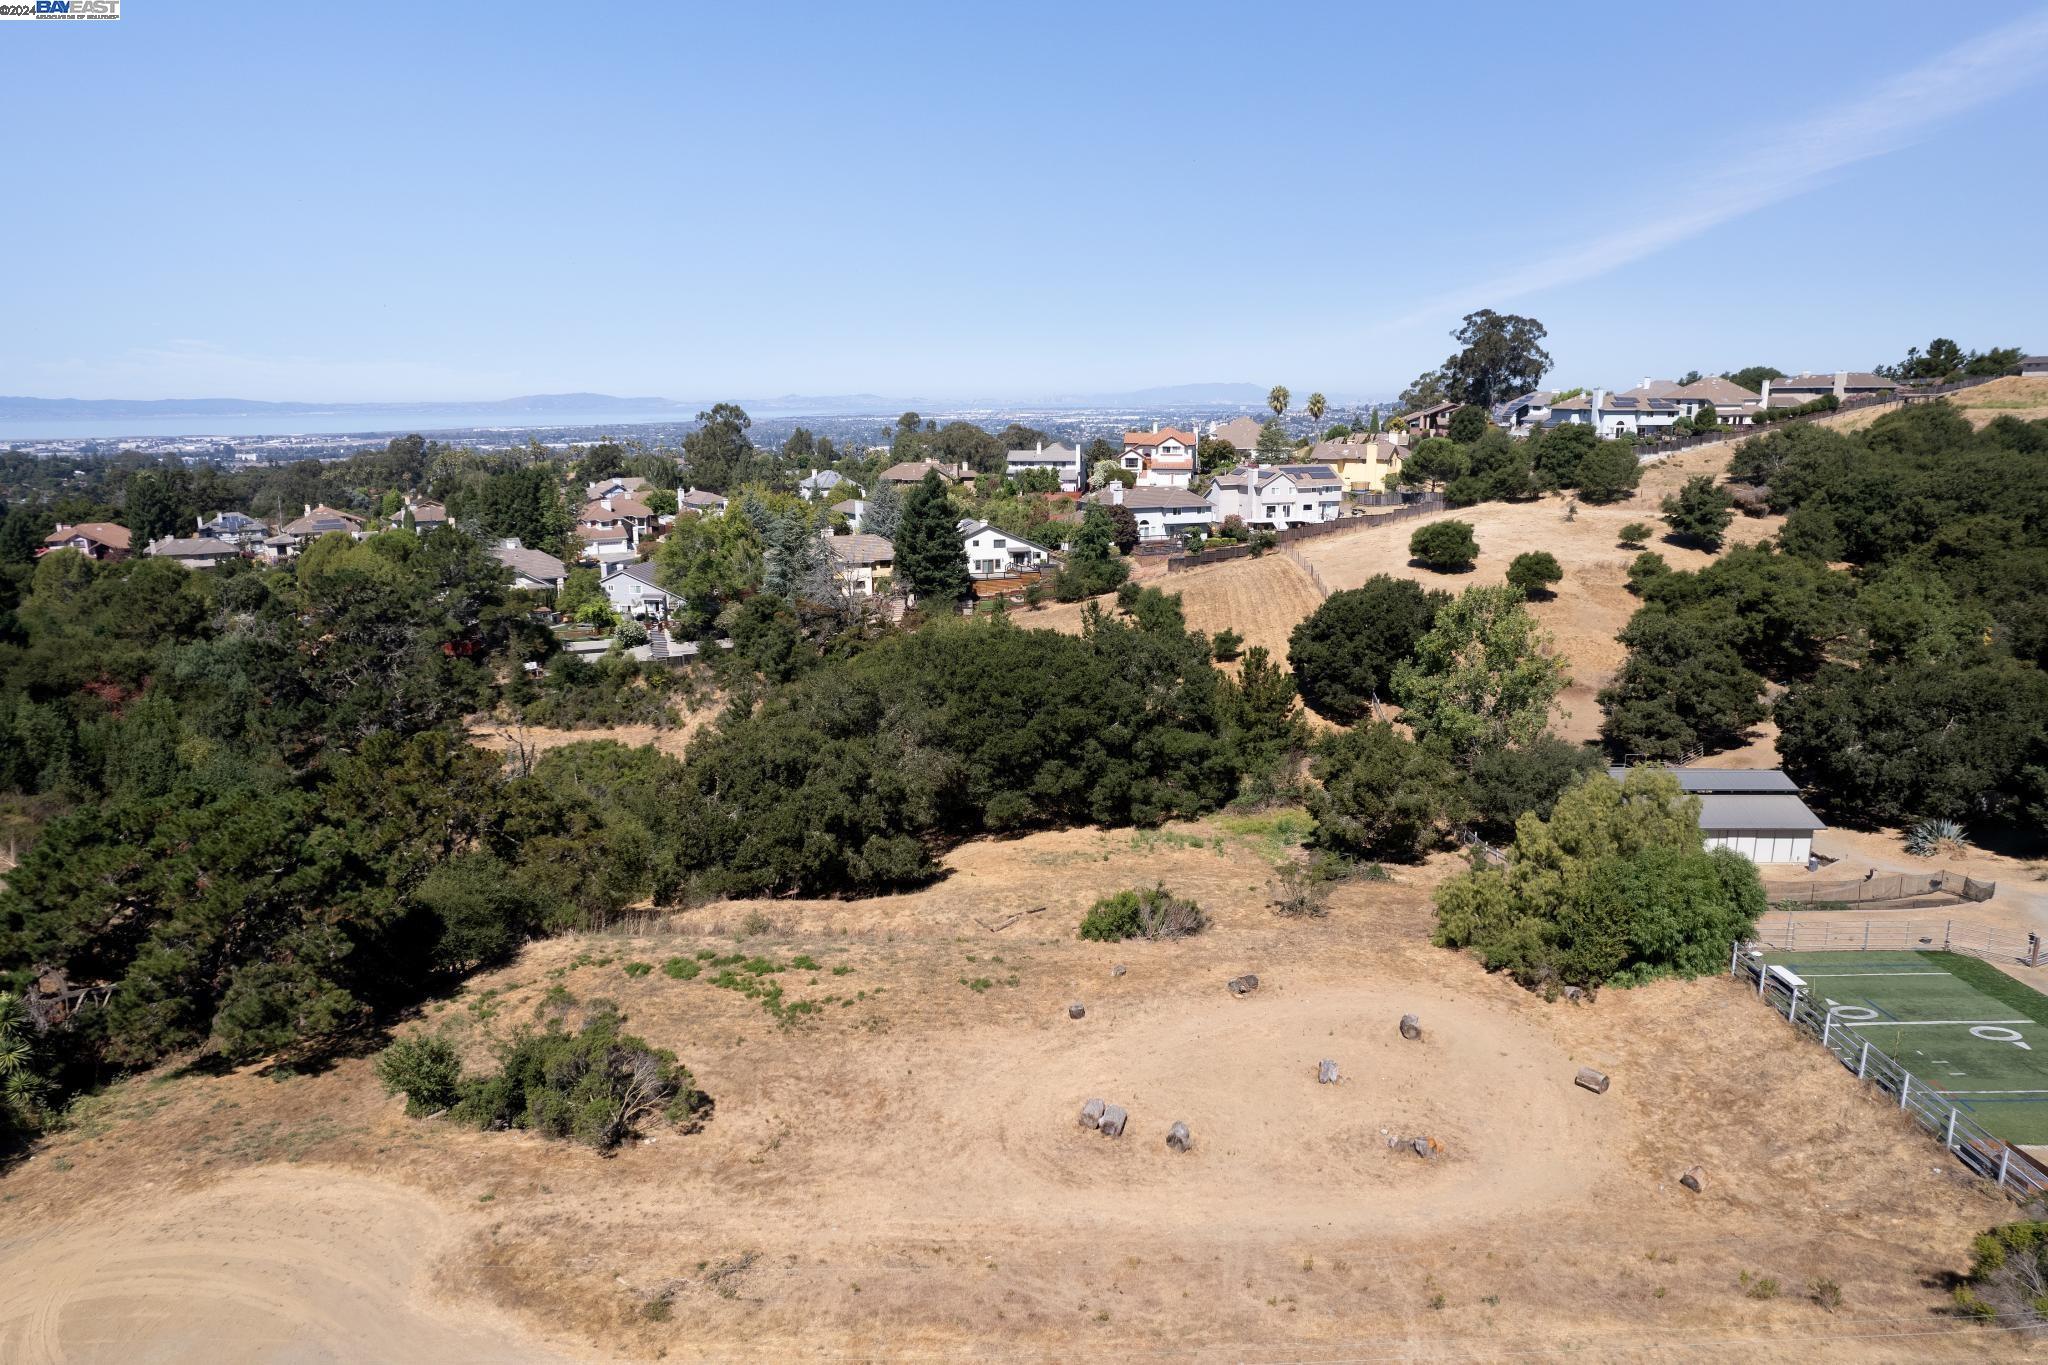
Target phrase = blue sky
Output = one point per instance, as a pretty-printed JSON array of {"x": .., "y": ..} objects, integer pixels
[{"x": 355, "y": 202}]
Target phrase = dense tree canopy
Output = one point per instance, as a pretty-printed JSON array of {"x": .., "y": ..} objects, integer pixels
[{"x": 1344, "y": 654}]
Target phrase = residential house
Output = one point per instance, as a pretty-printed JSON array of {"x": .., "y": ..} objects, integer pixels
[
  {"x": 913, "y": 471},
  {"x": 93, "y": 539},
  {"x": 1755, "y": 812},
  {"x": 821, "y": 484},
  {"x": 633, "y": 592},
  {"x": 995, "y": 553},
  {"x": 1065, "y": 461},
  {"x": 696, "y": 500},
  {"x": 533, "y": 570},
  {"x": 1163, "y": 457},
  {"x": 277, "y": 549},
  {"x": 2034, "y": 367},
  {"x": 618, "y": 512},
  {"x": 1362, "y": 464},
  {"x": 1734, "y": 406},
  {"x": 194, "y": 552},
  {"x": 855, "y": 510},
  {"x": 426, "y": 516},
  {"x": 1434, "y": 420},
  {"x": 1793, "y": 390},
  {"x": 1278, "y": 496},
  {"x": 320, "y": 521},
  {"x": 1161, "y": 513},
  {"x": 1613, "y": 414},
  {"x": 861, "y": 563},
  {"x": 632, "y": 487},
  {"x": 1523, "y": 413},
  {"x": 1241, "y": 432},
  {"x": 242, "y": 532}
]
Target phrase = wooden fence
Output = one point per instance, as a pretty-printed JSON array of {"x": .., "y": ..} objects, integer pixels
[{"x": 1434, "y": 502}]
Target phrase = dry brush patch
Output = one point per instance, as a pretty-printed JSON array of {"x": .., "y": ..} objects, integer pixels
[{"x": 902, "y": 1173}]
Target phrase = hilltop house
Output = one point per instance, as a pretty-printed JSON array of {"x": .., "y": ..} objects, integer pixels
[
  {"x": 994, "y": 553},
  {"x": 1163, "y": 457},
  {"x": 1756, "y": 813},
  {"x": 1278, "y": 496},
  {"x": 93, "y": 539},
  {"x": 612, "y": 488},
  {"x": 861, "y": 563},
  {"x": 1065, "y": 461},
  {"x": 855, "y": 510},
  {"x": 1161, "y": 513},
  {"x": 913, "y": 471},
  {"x": 1363, "y": 465},
  {"x": 426, "y": 516},
  {"x": 194, "y": 552},
  {"x": 1796, "y": 389},
  {"x": 700, "y": 502},
  {"x": 633, "y": 592},
  {"x": 1519, "y": 415},
  {"x": 242, "y": 532},
  {"x": 2034, "y": 366},
  {"x": 1241, "y": 432},
  {"x": 821, "y": 484},
  {"x": 1734, "y": 406},
  {"x": 1434, "y": 420},
  {"x": 1613, "y": 414},
  {"x": 533, "y": 570},
  {"x": 316, "y": 522}
]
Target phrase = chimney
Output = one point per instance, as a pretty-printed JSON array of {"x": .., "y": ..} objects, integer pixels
[
  {"x": 1646, "y": 381},
  {"x": 1116, "y": 492},
  {"x": 1764, "y": 401},
  {"x": 309, "y": 510},
  {"x": 199, "y": 522},
  {"x": 1841, "y": 383}
]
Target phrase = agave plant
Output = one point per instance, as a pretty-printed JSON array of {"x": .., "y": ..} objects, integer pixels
[{"x": 1929, "y": 837}]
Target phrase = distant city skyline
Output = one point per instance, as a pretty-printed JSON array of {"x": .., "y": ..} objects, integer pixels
[{"x": 319, "y": 204}]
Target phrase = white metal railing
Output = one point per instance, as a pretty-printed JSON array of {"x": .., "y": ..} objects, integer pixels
[{"x": 1968, "y": 1141}]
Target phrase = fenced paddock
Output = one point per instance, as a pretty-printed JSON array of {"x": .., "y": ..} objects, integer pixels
[
  {"x": 1958, "y": 1055},
  {"x": 1890, "y": 886},
  {"x": 1830, "y": 933}
]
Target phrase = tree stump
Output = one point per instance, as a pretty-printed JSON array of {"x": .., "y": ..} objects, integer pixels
[
  {"x": 1694, "y": 1179},
  {"x": 1595, "y": 1081},
  {"x": 1112, "y": 1122},
  {"x": 1117, "y": 970},
  {"x": 1411, "y": 1027},
  {"x": 1091, "y": 1114},
  {"x": 1076, "y": 1010},
  {"x": 1177, "y": 1137},
  {"x": 1326, "y": 1072},
  {"x": 1243, "y": 985}
]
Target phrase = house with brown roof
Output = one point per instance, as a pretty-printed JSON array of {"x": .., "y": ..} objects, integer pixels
[
  {"x": 1163, "y": 457},
  {"x": 425, "y": 517},
  {"x": 93, "y": 539},
  {"x": 1434, "y": 420},
  {"x": 1161, "y": 513},
  {"x": 861, "y": 563},
  {"x": 1363, "y": 463},
  {"x": 319, "y": 521},
  {"x": 1793, "y": 390},
  {"x": 1615, "y": 414},
  {"x": 1734, "y": 406},
  {"x": 632, "y": 486},
  {"x": 1241, "y": 432},
  {"x": 194, "y": 552},
  {"x": 532, "y": 570},
  {"x": 699, "y": 501},
  {"x": 913, "y": 471}
]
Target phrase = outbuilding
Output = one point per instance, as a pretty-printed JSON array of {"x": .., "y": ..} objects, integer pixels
[{"x": 1756, "y": 812}]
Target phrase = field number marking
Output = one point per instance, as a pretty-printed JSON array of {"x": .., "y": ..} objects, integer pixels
[{"x": 1991, "y": 1033}]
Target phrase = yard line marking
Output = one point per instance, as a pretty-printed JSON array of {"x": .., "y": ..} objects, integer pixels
[
  {"x": 1924, "y": 1023},
  {"x": 1995, "y": 1092},
  {"x": 1830, "y": 976}
]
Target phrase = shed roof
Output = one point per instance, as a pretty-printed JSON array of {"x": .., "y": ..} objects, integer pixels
[
  {"x": 1727, "y": 781},
  {"x": 1749, "y": 811}
]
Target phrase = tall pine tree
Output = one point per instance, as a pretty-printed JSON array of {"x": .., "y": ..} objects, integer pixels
[{"x": 931, "y": 559}]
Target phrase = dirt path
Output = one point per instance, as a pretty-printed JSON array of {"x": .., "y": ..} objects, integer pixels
[{"x": 277, "y": 1263}]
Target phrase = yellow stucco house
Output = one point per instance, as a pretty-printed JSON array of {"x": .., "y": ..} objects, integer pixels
[{"x": 1362, "y": 464}]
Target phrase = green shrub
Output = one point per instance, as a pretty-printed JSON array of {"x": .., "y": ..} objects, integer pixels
[
  {"x": 1534, "y": 572},
  {"x": 595, "y": 1085},
  {"x": 637, "y": 968},
  {"x": 1637, "y": 534},
  {"x": 425, "y": 1070},
  {"x": 682, "y": 968},
  {"x": 1445, "y": 546},
  {"x": 1154, "y": 914}
]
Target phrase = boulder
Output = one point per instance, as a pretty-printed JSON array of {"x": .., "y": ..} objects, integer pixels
[
  {"x": 1243, "y": 985},
  {"x": 1694, "y": 1179},
  {"x": 1177, "y": 1137},
  {"x": 1076, "y": 1010},
  {"x": 1112, "y": 1122},
  {"x": 1595, "y": 1081},
  {"x": 1091, "y": 1114},
  {"x": 1573, "y": 994},
  {"x": 1411, "y": 1027},
  {"x": 1326, "y": 1072},
  {"x": 1117, "y": 970},
  {"x": 1423, "y": 1147}
]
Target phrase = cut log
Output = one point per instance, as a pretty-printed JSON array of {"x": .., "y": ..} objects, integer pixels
[
  {"x": 1595, "y": 1081},
  {"x": 1411, "y": 1027},
  {"x": 1091, "y": 1114},
  {"x": 1243, "y": 985},
  {"x": 1694, "y": 1179},
  {"x": 1177, "y": 1137},
  {"x": 1326, "y": 1072},
  {"x": 1113, "y": 1120},
  {"x": 1076, "y": 1010}
]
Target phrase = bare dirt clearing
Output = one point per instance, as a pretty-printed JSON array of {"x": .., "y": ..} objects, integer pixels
[
  {"x": 502, "y": 736},
  {"x": 902, "y": 1176}
]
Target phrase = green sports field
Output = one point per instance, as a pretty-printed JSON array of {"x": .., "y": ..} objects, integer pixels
[{"x": 1960, "y": 1025}]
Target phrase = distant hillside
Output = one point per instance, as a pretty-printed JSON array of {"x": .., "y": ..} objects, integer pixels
[{"x": 157, "y": 409}]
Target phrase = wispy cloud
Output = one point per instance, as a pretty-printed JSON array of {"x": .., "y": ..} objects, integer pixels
[{"x": 1899, "y": 112}]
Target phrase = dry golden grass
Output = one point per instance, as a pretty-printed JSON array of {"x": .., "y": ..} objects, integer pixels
[{"x": 902, "y": 1177}]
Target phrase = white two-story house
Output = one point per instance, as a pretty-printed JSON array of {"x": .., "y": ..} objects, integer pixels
[
  {"x": 1278, "y": 496},
  {"x": 1063, "y": 460},
  {"x": 994, "y": 553},
  {"x": 1161, "y": 513},
  {"x": 1163, "y": 457}
]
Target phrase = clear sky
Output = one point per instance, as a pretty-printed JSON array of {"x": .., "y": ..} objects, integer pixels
[{"x": 334, "y": 201}]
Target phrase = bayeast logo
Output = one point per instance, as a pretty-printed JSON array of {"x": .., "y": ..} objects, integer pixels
[{"x": 62, "y": 9}]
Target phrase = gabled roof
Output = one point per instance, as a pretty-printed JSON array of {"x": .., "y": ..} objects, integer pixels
[
  {"x": 1726, "y": 780},
  {"x": 228, "y": 523},
  {"x": 1783, "y": 814},
  {"x": 1378, "y": 448},
  {"x": 1432, "y": 410},
  {"x": 424, "y": 512},
  {"x": 532, "y": 563},
  {"x": 1242, "y": 432},
  {"x": 640, "y": 572},
  {"x": 320, "y": 520},
  {"x": 1153, "y": 438},
  {"x": 861, "y": 549},
  {"x": 603, "y": 535},
  {"x": 1716, "y": 390},
  {"x": 1855, "y": 379},
  {"x": 913, "y": 471},
  {"x": 100, "y": 532},
  {"x": 822, "y": 479},
  {"x": 849, "y": 507},
  {"x": 594, "y": 491},
  {"x": 697, "y": 497},
  {"x": 1052, "y": 454},
  {"x": 970, "y": 528},
  {"x": 621, "y": 506},
  {"x": 1253, "y": 478},
  {"x": 1150, "y": 499},
  {"x": 191, "y": 547}
]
